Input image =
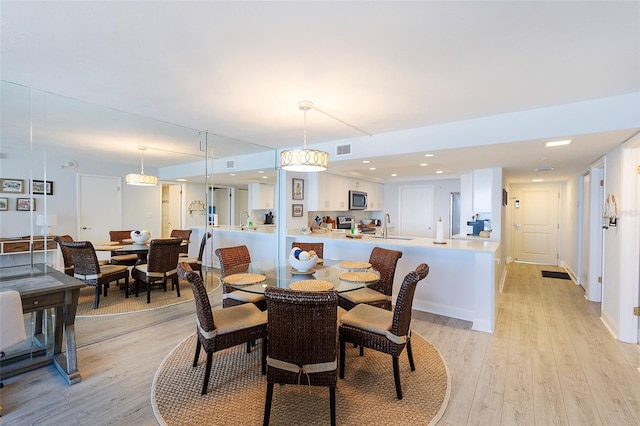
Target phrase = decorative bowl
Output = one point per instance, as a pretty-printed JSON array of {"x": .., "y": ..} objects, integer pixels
[
  {"x": 303, "y": 265},
  {"x": 140, "y": 237},
  {"x": 366, "y": 221}
]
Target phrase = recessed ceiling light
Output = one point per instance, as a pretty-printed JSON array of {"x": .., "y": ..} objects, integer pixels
[
  {"x": 537, "y": 180},
  {"x": 365, "y": 161},
  {"x": 439, "y": 172},
  {"x": 394, "y": 174},
  {"x": 265, "y": 177},
  {"x": 232, "y": 174},
  {"x": 260, "y": 171},
  {"x": 429, "y": 155},
  {"x": 181, "y": 180},
  {"x": 559, "y": 143},
  {"x": 372, "y": 168},
  {"x": 423, "y": 164}
]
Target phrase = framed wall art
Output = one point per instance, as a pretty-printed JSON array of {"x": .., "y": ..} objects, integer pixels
[
  {"x": 296, "y": 210},
  {"x": 297, "y": 189},
  {"x": 25, "y": 204},
  {"x": 4, "y": 204},
  {"x": 42, "y": 187},
  {"x": 15, "y": 186}
]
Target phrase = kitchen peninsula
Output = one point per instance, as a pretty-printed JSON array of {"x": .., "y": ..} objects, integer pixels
[{"x": 463, "y": 279}]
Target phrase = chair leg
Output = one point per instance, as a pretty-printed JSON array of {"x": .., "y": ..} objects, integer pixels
[
  {"x": 149, "y": 292},
  {"x": 361, "y": 350},
  {"x": 264, "y": 356},
  {"x": 136, "y": 286},
  {"x": 126, "y": 287},
  {"x": 197, "y": 356},
  {"x": 248, "y": 347},
  {"x": 207, "y": 372},
  {"x": 342, "y": 359},
  {"x": 105, "y": 286},
  {"x": 410, "y": 355},
  {"x": 267, "y": 404},
  {"x": 396, "y": 376},
  {"x": 332, "y": 403},
  {"x": 177, "y": 284},
  {"x": 96, "y": 301}
]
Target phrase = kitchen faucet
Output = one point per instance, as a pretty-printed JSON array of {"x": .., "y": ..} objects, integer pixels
[
  {"x": 245, "y": 212},
  {"x": 387, "y": 219}
]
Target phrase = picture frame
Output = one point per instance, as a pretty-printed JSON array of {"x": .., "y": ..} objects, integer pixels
[
  {"x": 42, "y": 187},
  {"x": 4, "y": 204},
  {"x": 25, "y": 204},
  {"x": 296, "y": 210},
  {"x": 297, "y": 189},
  {"x": 13, "y": 186}
]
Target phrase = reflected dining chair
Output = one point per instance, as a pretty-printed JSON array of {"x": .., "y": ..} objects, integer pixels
[
  {"x": 384, "y": 331},
  {"x": 317, "y": 247},
  {"x": 66, "y": 256},
  {"x": 162, "y": 263},
  {"x": 122, "y": 259},
  {"x": 222, "y": 328},
  {"x": 12, "y": 328},
  {"x": 87, "y": 268},
  {"x": 184, "y": 235},
  {"x": 379, "y": 294},
  {"x": 234, "y": 260},
  {"x": 302, "y": 342},
  {"x": 196, "y": 262}
]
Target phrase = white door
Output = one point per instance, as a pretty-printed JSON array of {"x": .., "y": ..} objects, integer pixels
[
  {"x": 416, "y": 211},
  {"x": 585, "y": 222},
  {"x": 99, "y": 207},
  {"x": 535, "y": 223},
  {"x": 171, "y": 208}
]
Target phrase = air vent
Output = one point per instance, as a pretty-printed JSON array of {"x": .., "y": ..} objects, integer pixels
[
  {"x": 231, "y": 164},
  {"x": 544, "y": 169},
  {"x": 343, "y": 149}
]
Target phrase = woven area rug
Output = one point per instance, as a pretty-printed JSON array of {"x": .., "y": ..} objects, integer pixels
[
  {"x": 115, "y": 302},
  {"x": 237, "y": 390}
]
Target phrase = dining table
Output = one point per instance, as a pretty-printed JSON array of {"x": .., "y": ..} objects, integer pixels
[
  {"x": 128, "y": 247},
  {"x": 328, "y": 274}
]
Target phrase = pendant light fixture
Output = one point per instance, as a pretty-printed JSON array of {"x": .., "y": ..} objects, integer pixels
[
  {"x": 304, "y": 160},
  {"x": 141, "y": 179}
]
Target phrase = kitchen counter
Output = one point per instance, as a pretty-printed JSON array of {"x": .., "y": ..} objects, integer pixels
[{"x": 464, "y": 275}]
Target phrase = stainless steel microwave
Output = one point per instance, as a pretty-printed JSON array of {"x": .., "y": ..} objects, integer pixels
[{"x": 357, "y": 200}]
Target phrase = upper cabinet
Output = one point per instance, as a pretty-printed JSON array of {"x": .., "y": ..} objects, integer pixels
[{"x": 262, "y": 196}]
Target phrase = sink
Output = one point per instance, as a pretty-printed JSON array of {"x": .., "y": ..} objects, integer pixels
[{"x": 394, "y": 237}]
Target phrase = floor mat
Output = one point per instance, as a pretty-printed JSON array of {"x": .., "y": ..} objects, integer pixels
[{"x": 553, "y": 274}]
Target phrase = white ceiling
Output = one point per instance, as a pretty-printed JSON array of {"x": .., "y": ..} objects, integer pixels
[{"x": 238, "y": 69}]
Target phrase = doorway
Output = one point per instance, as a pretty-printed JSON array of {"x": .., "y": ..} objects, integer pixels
[
  {"x": 172, "y": 207},
  {"x": 535, "y": 213}
]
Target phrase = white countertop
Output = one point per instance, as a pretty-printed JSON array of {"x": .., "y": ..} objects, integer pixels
[{"x": 259, "y": 229}]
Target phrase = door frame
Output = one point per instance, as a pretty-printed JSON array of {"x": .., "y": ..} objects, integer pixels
[{"x": 183, "y": 201}]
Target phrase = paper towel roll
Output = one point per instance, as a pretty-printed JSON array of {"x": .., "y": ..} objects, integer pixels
[{"x": 439, "y": 232}]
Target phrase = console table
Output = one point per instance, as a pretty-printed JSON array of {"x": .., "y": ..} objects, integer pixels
[{"x": 41, "y": 288}]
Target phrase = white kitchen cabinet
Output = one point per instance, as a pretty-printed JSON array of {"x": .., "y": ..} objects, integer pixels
[
  {"x": 328, "y": 192},
  {"x": 262, "y": 196},
  {"x": 375, "y": 195}
]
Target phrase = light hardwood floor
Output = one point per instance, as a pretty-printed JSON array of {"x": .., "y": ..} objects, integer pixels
[{"x": 550, "y": 361}]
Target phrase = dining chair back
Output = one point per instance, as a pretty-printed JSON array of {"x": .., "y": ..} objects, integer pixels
[
  {"x": 122, "y": 259},
  {"x": 162, "y": 263},
  {"x": 302, "y": 339},
  {"x": 66, "y": 256},
  {"x": 12, "y": 328},
  {"x": 378, "y": 294},
  {"x": 235, "y": 260},
  {"x": 196, "y": 263},
  {"x": 317, "y": 247},
  {"x": 184, "y": 235},
  {"x": 387, "y": 332},
  {"x": 87, "y": 268},
  {"x": 238, "y": 324}
]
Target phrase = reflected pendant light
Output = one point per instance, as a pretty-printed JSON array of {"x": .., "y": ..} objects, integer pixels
[
  {"x": 304, "y": 160},
  {"x": 141, "y": 179}
]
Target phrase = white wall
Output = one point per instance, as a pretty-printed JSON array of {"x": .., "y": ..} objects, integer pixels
[
  {"x": 196, "y": 192},
  {"x": 570, "y": 225}
]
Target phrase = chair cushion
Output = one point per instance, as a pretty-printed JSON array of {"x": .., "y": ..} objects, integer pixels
[
  {"x": 236, "y": 318},
  {"x": 369, "y": 318},
  {"x": 112, "y": 269},
  {"x": 123, "y": 257},
  {"x": 364, "y": 295},
  {"x": 192, "y": 260},
  {"x": 244, "y": 296}
]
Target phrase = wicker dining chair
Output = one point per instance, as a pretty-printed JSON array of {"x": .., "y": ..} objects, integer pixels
[
  {"x": 234, "y": 260},
  {"x": 317, "y": 247},
  {"x": 122, "y": 259},
  {"x": 87, "y": 268},
  {"x": 302, "y": 342},
  {"x": 384, "y": 331},
  {"x": 196, "y": 262},
  {"x": 162, "y": 263},
  {"x": 183, "y": 234},
  {"x": 379, "y": 294},
  {"x": 66, "y": 256},
  {"x": 222, "y": 328}
]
